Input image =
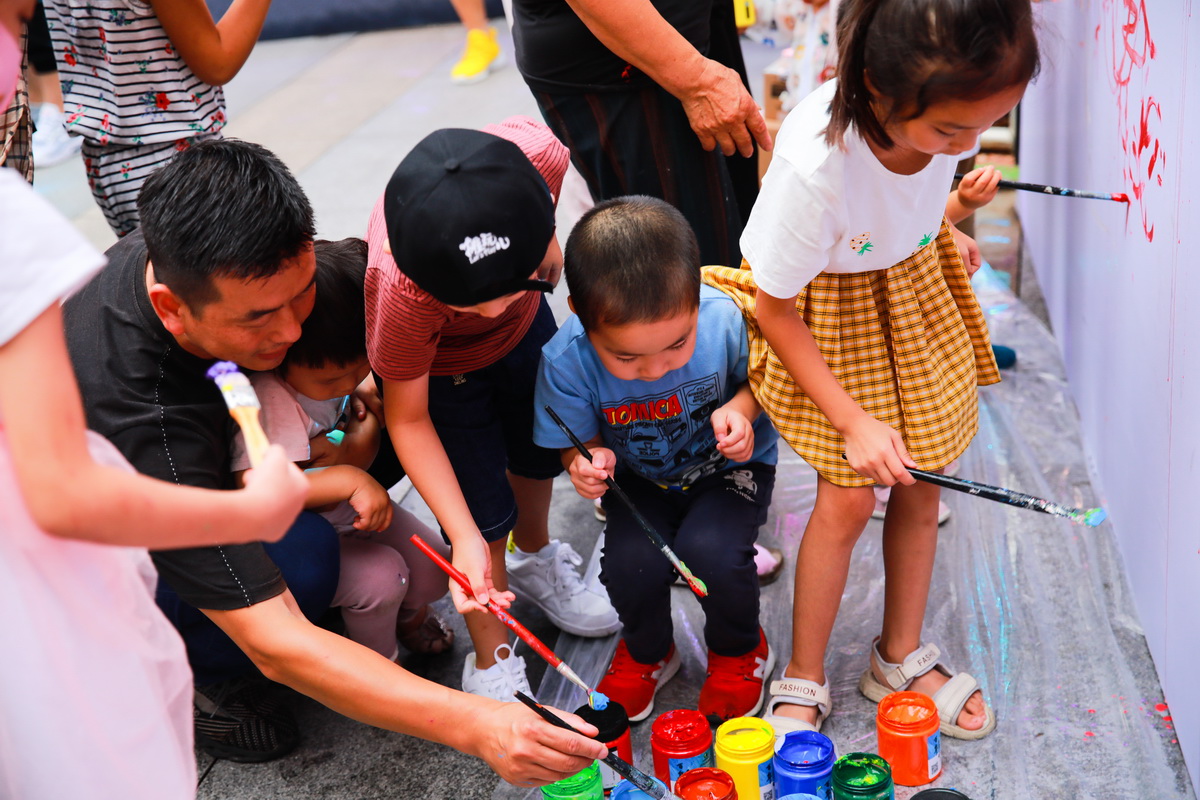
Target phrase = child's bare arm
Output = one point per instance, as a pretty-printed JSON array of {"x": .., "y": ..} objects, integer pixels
[
  {"x": 214, "y": 51},
  {"x": 68, "y": 494},
  {"x": 873, "y": 448},
  {"x": 360, "y": 442},
  {"x": 420, "y": 451},
  {"x": 328, "y": 486}
]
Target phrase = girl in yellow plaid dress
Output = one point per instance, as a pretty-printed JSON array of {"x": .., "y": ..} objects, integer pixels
[{"x": 866, "y": 339}]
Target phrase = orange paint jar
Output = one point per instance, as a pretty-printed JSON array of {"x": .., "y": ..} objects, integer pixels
[{"x": 907, "y": 724}]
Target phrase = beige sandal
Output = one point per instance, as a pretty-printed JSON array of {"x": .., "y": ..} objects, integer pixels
[
  {"x": 423, "y": 632},
  {"x": 799, "y": 692},
  {"x": 950, "y": 699}
]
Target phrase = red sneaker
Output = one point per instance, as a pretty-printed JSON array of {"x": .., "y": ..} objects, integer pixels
[
  {"x": 734, "y": 686},
  {"x": 633, "y": 684}
]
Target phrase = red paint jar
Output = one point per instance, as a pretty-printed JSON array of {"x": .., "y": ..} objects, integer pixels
[
  {"x": 613, "y": 723},
  {"x": 907, "y": 724},
  {"x": 706, "y": 784},
  {"x": 680, "y": 740}
]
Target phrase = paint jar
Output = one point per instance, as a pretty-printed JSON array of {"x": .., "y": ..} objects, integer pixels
[
  {"x": 680, "y": 740},
  {"x": 907, "y": 723},
  {"x": 584, "y": 785},
  {"x": 614, "y": 733},
  {"x": 804, "y": 764},
  {"x": 862, "y": 776},
  {"x": 940, "y": 794},
  {"x": 745, "y": 747},
  {"x": 624, "y": 790},
  {"x": 800, "y": 797},
  {"x": 707, "y": 783}
]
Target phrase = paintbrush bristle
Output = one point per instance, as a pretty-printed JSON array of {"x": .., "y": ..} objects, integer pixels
[{"x": 235, "y": 387}]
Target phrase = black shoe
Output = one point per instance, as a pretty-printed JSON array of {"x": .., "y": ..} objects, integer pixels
[{"x": 244, "y": 719}]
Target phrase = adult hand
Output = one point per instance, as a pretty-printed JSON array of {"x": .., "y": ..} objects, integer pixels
[
  {"x": 588, "y": 476},
  {"x": 876, "y": 450},
  {"x": 723, "y": 114},
  {"x": 525, "y": 750},
  {"x": 967, "y": 247},
  {"x": 735, "y": 434}
]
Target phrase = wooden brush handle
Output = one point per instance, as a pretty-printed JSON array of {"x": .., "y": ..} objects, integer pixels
[{"x": 252, "y": 432}]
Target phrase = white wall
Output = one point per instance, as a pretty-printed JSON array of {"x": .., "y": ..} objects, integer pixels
[{"x": 1117, "y": 109}]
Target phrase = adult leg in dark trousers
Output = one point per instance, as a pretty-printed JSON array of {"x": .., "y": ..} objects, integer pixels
[
  {"x": 239, "y": 714},
  {"x": 725, "y": 47}
]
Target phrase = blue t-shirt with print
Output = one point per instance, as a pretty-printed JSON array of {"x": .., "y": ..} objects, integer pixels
[{"x": 660, "y": 429}]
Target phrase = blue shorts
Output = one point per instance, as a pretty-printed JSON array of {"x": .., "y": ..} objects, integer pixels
[{"x": 485, "y": 421}]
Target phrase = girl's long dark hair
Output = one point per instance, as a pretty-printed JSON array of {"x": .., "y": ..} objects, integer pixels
[{"x": 916, "y": 53}]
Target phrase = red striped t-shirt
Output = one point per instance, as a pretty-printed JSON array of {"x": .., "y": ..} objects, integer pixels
[{"x": 409, "y": 332}]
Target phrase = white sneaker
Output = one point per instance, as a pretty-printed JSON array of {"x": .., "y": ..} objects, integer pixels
[
  {"x": 52, "y": 144},
  {"x": 550, "y": 579},
  {"x": 498, "y": 681}
]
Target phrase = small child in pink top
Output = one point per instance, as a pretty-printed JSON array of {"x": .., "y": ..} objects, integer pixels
[{"x": 385, "y": 585}]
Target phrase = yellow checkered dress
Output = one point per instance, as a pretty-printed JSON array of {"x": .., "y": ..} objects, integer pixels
[{"x": 908, "y": 343}]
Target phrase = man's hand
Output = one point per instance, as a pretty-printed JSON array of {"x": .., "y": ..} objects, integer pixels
[
  {"x": 723, "y": 114},
  {"x": 525, "y": 750},
  {"x": 588, "y": 476},
  {"x": 735, "y": 434}
]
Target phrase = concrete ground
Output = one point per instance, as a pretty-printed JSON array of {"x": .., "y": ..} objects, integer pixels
[{"x": 1036, "y": 609}]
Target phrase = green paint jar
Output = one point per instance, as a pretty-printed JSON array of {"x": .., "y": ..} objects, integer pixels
[
  {"x": 584, "y": 785},
  {"x": 862, "y": 776}
]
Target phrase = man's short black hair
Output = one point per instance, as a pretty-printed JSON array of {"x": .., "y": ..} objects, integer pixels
[
  {"x": 632, "y": 259},
  {"x": 335, "y": 333},
  {"x": 221, "y": 207}
]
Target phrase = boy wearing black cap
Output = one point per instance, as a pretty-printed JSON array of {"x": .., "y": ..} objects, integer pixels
[{"x": 461, "y": 248}]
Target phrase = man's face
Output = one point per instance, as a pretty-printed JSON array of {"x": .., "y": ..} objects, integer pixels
[{"x": 251, "y": 322}]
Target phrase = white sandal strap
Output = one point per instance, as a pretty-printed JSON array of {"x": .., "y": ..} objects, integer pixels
[
  {"x": 953, "y": 696},
  {"x": 800, "y": 692},
  {"x": 918, "y": 662}
]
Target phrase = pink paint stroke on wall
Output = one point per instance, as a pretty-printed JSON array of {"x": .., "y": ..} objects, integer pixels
[{"x": 1127, "y": 47}]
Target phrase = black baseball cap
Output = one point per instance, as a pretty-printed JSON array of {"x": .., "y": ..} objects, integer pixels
[{"x": 469, "y": 217}]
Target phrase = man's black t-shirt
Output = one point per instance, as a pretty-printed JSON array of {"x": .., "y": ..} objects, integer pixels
[
  {"x": 557, "y": 53},
  {"x": 150, "y": 398}
]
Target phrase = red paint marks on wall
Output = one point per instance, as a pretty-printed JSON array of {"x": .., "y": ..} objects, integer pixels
[{"x": 1124, "y": 37}]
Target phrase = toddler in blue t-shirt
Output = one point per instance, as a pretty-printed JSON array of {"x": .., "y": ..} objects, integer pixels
[{"x": 651, "y": 373}]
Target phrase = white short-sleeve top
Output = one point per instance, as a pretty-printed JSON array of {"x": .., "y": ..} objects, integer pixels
[{"x": 830, "y": 209}]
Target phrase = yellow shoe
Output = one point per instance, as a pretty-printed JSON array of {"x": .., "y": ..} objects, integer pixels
[{"x": 480, "y": 57}]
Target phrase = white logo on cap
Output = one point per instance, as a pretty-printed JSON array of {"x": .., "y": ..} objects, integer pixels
[{"x": 477, "y": 247}]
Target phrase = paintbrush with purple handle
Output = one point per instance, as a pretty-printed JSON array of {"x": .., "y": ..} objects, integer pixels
[
  {"x": 694, "y": 583},
  {"x": 623, "y": 768}
]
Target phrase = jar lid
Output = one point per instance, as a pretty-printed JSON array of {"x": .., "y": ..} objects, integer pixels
[
  {"x": 940, "y": 794},
  {"x": 612, "y": 721}
]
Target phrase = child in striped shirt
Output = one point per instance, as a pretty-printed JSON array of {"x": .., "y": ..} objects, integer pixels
[{"x": 141, "y": 81}]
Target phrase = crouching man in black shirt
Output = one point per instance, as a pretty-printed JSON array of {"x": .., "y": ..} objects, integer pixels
[{"x": 223, "y": 269}]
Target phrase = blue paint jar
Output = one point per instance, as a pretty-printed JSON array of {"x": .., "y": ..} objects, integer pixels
[
  {"x": 800, "y": 797},
  {"x": 627, "y": 791},
  {"x": 804, "y": 765}
]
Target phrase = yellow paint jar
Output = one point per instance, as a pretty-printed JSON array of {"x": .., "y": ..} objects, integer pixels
[{"x": 744, "y": 748}]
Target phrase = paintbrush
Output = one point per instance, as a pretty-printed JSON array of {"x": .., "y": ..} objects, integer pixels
[
  {"x": 1119, "y": 197},
  {"x": 243, "y": 406},
  {"x": 623, "y": 768},
  {"x": 595, "y": 699},
  {"x": 1091, "y": 517},
  {"x": 693, "y": 582}
]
